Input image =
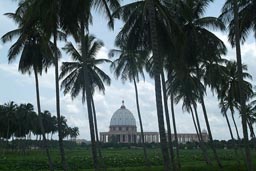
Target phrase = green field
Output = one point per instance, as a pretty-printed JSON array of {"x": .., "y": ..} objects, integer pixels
[{"x": 121, "y": 159}]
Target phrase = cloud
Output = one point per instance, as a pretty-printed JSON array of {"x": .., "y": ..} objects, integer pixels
[
  {"x": 106, "y": 105},
  {"x": 103, "y": 53},
  {"x": 20, "y": 88}
]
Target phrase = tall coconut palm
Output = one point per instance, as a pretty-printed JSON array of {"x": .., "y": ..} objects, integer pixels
[
  {"x": 228, "y": 91},
  {"x": 170, "y": 93},
  {"x": 200, "y": 44},
  {"x": 185, "y": 86},
  {"x": 129, "y": 66},
  {"x": 80, "y": 18},
  {"x": 74, "y": 80},
  {"x": 98, "y": 145},
  {"x": 167, "y": 118},
  {"x": 143, "y": 21},
  {"x": 246, "y": 17},
  {"x": 149, "y": 68},
  {"x": 189, "y": 13},
  {"x": 46, "y": 12},
  {"x": 234, "y": 10},
  {"x": 36, "y": 55},
  {"x": 251, "y": 117}
]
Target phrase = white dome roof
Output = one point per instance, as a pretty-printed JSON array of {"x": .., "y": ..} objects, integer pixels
[{"x": 123, "y": 117}]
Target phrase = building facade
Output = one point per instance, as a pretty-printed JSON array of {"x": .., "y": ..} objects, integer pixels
[{"x": 123, "y": 129}]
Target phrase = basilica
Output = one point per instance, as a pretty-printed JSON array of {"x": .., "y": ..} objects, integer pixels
[{"x": 123, "y": 129}]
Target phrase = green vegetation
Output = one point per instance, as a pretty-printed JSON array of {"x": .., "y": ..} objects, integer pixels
[
  {"x": 119, "y": 159},
  {"x": 172, "y": 41},
  {"x": 18, "y": 121}
]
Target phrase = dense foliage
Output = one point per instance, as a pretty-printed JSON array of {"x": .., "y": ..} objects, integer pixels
[{"x": 21, "y": 122}]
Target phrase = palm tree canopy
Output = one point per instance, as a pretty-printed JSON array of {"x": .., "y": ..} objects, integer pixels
[
  {"x": 129, "y": 64},
  {"x": 247, "y": 19},
  {"x": 228, "y": 91},
  {"x": 72, "y": 72},
  {"x": 36, "y": 50}
]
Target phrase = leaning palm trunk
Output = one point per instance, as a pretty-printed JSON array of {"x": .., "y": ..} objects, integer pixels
[
  {"x": 209, "y": 131},
  {"x": 61, "y": 146},
  {"x": 157, "y": 70},
  {"x": 167, "y": 118},
  {"x": 88, "y": 99},
  {"x": 147, "y": 163},
  {"x": 175, "y": 133},
  {"x": 240, "y": 80},
  {"x": 198, "y": 123},
  {"x": 201, "y": 144},
  {"x": 97, "y": 136},
  {"x": 208, "y": 124},
  {"x": 250, "y": 125},
  {"x": 229, "y": 126},
  {"x": 45, "y": 145},
  {"x": 234, "y": 122},
  {"x": 233, "y": 139}
]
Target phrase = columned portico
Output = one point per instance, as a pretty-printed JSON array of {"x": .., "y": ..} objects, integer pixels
[{"x": 123, "y": 129}]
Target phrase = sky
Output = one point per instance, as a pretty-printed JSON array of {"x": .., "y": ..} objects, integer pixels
[{"x": 21, "y": 88}]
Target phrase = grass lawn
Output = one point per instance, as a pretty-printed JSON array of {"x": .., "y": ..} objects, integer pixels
[{"x": 79, "y": 159}]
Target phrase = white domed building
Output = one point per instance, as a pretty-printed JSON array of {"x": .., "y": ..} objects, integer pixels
[{"x": 123, "y": 129}]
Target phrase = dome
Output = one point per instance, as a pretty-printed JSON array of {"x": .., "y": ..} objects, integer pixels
[{"x": 123, "y": 117}]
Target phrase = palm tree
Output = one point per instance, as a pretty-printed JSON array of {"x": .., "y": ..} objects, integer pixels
[
  {"x": 36, "y": 55},
  {"x": 170, "y": 93},
  {"x": 22, "y": 116},
  {"x": 129, "y": 65},
  {"x": 200, "y": 45},
  {"x": 80, "y": 19},
  {"x": 74, "y": 133},
  {"x": 97, "y": 134},
  {"x": 149, "y": 68},
  {"x": 46, "y": 12},
  {"x": 10, "y": 110},
  {"x": 237, "y": 34},
  {"x": 185, "y": 86},
  {"x": 143, "y": 22},
  {"x": 251, "y": 117},
  {"x": 228, "y": 91},
  {"x": 167, "y": 118},
  {"x": 246, "y": 17},
  {"x": 74, "y": 80}
]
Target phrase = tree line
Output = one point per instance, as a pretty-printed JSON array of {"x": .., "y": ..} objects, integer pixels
[
  {"x": 21, "y": 122},
  {"x": 170, "y": 40}
]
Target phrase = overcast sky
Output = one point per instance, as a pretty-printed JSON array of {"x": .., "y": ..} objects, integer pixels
[{"x": 20, "y": 88}]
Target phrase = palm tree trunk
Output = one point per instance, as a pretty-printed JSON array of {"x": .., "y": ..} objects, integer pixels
[
  {"x": 229, "y": 126},
  {"x": 234, "y": 122},
  {"x": 62, "y": 152},
  {"x": 242, "y": 95},
  {"x": 175, "y": 132},
  {"x": 97, "y": 135},
  {"x": 198, "y": 123},
  {"x": 200, "y": 141},
  {"x": 157, "y": 70},
  {"x": 45, "y": 145},
  {"x": 250, "y": 125},
  {"x": 209, "y": 130},
  {"x": 167, "y": 118},
  {"x": 147, "y": 163},
  {"x": 232, "y": 137},
  {"x": 88, "y": 100}
]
